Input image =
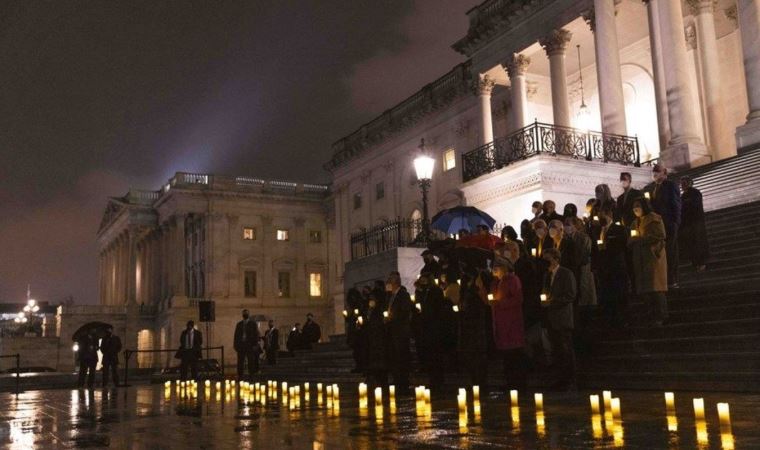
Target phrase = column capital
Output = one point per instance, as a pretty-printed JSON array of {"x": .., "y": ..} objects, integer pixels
[
  {"x": 702, "y": 6},
  {"x": 483, "y": 85},
  {"x": 517, "y": 65},
  {"x": 590, "y": 18},
  {"x": 556, "y": 41},
  {"x": 690, "y": 34},
  {"x": 732, "y": 15}
]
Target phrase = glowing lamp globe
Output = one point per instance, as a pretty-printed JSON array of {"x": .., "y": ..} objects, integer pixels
[
  {"x": 423, "y": 166},
  {"x": 583, "y": 118}
]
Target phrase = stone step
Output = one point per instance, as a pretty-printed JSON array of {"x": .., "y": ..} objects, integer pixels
[
  {"x": 718, "y": 279},
  {"x": 704, "y": 328},
  {"x": 721, "y": 312},
  {"x": 672, "y": 381},
  {"x": 701, "y": 361},
  {"x": 742, "y": 216},
  {"x": 731, "y": 342},
  {"x": 745, "y": 164}
]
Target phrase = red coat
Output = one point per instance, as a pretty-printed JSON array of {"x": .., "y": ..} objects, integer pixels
[{"x": 506, "y": 308}]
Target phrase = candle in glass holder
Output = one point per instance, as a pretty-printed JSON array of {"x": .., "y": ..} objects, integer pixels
[
  {"x": 336, "y": 392},
  {"x": 596, "y": 218},
  {"x": 539, "y": 399},
  {"x": 672, "y": 423},
  {"x": 594, "y": 399},
  {"x": 427, "y": 395},
  {"x": 515, "y": 414},
  {"x": 599, "y": 242},
  {"x": 418, "y": 306},
  {"x": 607, "y": 396},
  {"x": 412, "y": 298},
  {"x": 490, "y": 297},
  {"x": 385, "y": 314},
  {"x": 615, "y": 403},
  {"x": 476, "y": 407},
  {"x": 513, "y": 397},
  {"x": 437, "y": 281},
  {"x": 356, "y": 312},
  {"x": 455, "y": 308},
  {"x": 462, "y": 399},
  {"x": 360, "y": 320},
  {"x": 543, "y": 297},
  {"x": 392, "y": 391},
  {"x": 647, "y": 195},
  {"x": 345, "y": 313},
  {"x": 378, "y": 396},
  {"x": 634, "y": 233},
  {"x": 418, "y": 395},
  {"x": 476, "y": 393},
  {"x": 670, "y": 401},
  {"x": 699, "y": 409},
  {"x": 725, "y": 418},
  {"x": 533, "y": 252},
  {"x": 362, "y": 389}
]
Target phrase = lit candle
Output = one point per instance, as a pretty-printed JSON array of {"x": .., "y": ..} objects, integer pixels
[
  {"x": 476, "y": 393},
  {"x": 672, "y": 423},
  {"x": 362, "y": 390},
  {"x": 336, "y": 392},
  {"x": 539, "y": 399},
  {"x": 455, "y": 308},
  {"x": 418, "y": 306},
  {"x": 418, "y": 393},
  {"x": 725, "y": 418},
  {"x": 607, "y": 396},
  {"x": 392, "y": 392},
  {"x": 427, "y": 395},
  {"x": 634, "y": 233},
  {"x": 699, "y": 409},
  {"x": 647, "y": 195},
  {"x": 540, "y": 423},
  {"x": 359, "y": 320},
  {"x": 462, "y": 399},
  {"x": 702, "y": 437},
  {"x": 437, "y": 281},
  {"x": 596, "y": 426},
  {"x": 670, "y": 401},
  {"x": 599, "y": 242},
  {"x": 544, "y": 297},
  {"x": 345, "y": 313},
  {"x": 727, "y": 441},
  {"x": 168, "y": 384},
  {"x": 385, "y": 314},
  {"x": 515, "y": 413},
  {"x": 490, "y": 297},
  {"x": 476, "y": 408},
  {"x": 596, "y": 218},
  {"x": 413, "y": 298},
  {"x": 594, "y": 399},
  {"x": 378, "y": 396},
  {"x": 513, "y": 397},
  {"x": 615, "y": 403},
  {"x": 533, "y": 252},
  {"x": 356, "y": 312}
]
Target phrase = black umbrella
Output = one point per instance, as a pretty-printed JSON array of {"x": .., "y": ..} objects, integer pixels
[{"x": 98, "y": 329}]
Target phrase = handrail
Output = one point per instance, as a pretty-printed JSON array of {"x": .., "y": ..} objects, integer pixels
[
  {"x": 18, "y": 369},
  {"x": 128, "y": 354}
]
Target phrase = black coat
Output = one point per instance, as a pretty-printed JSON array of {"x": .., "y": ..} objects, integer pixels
[
  {"x": 374, "y": 333},
  {"x": 609, "y": 261},
  {"x": 246, "y": 336},
  {"x": 525, "y": 269},
  {"x": 272, "y": 340},
  {"x": 553, "y": 216},
  {"x": 430, "y": 322},
  {"x": 561, "y": 295},
  {"x": 88, "y": 350},
  {"x": 311, "y": 332},
  {"x": 399, "y": 322},
  {"x": 195, "y": 351},
  {"x": 666, "y": 201},
  {"x": 110, "y": 347},
  {"x": 474, "y": 324},
  {"x": 625, "y": 205},
  {"x": 693, "y": 232}
]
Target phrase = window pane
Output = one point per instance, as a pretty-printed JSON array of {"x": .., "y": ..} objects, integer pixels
[
  {"x": 249, "y": 234},
  {"x": 283, "y": 284},
  {"x": 315, "y": 284},
  {"x": 250, "y": 283},
  {"x": 282, "y": 235},
  {"x": 449, "y": 159}
]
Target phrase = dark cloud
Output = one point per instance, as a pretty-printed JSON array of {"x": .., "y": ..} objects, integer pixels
[{"x": 99, "y": 96}]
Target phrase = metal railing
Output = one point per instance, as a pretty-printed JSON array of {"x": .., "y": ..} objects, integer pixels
[
  {"x": 128, "y": 355},
  {"x": 17, "y": 356},
  {"x": 390, "y": 235},
  {"x": 538, "y": 138}
]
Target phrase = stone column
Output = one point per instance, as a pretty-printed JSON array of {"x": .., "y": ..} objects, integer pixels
[
  {"x": 483, "y": 88},
  {"x": 179, "y": 255},
  {"x": 131, "y": 260},
  {"x": 611, "y": 102},
  {"x": 685, "y": 148},
  {"x": 555, "y": 45},
  {"x": 516, "y": 68},
  {"x": 707, "y": 46},
  {"x": 749, "y": 27},
  {"x": 655, "y": 45}
]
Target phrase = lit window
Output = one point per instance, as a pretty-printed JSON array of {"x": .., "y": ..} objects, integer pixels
[
  {"x": 379, "y": 190},
  {"x": 283, "y": 284},
  {"x": 315, "y": 284},
  {"x": 282, "y": 235},
  {"x": 315, "y": 236},
  {"x": 249, "y": 286},
  {"x": 249, "y": 234},
  {"x": 449, "y": 159}
]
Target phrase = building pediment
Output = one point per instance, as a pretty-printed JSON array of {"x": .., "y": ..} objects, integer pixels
[
  {"x": 250, "y": 261},
  {"x": 112, "y": 210}
]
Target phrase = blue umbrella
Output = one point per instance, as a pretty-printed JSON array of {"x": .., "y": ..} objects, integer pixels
[{"x": 452, "y": 220}]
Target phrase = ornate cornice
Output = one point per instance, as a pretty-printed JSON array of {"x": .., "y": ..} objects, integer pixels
[
  {"x": 556, "y": 41},
  {"x": 517, "y": 65},
  {"x": 433, "y": 97},
  {"x": 690, "y": 34},
  {"x": 462, "y": 128},
  {"x": 731, "y": 15},
  {"x": 702, "y": 6},
  {"x": 483, "y": 85}
]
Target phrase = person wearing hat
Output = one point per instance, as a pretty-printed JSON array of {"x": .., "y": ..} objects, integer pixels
[
  {"x": 693, "y": 233},
  {"x": 666, "y": 202},
  {"x": 506, "y": 312},
  {"x": 431, "y": 266}
]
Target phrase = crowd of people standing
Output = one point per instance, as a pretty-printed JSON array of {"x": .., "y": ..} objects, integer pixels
[{"x": 533, "y": 299}]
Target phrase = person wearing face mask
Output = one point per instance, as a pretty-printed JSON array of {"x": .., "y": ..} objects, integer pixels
[
  {"x": 507, "y": 317},
  {"x": 559, "y": 289},
  {"x": 550, "y": 211},
  {"x": 584, "y": 276},
  {"x": 625, "y": 200},
  {"x": 537, "y": 209},
  {"x": 430, "y": 329},
  {"x": 570, "y": 211},
  {"x": 528, "y": 236},
  {"x": 246, "y": 344},
  {"x": 564, "y": 244},
  {"x": 648, "y": 253},
  {"x": 542, "y": 239},
  {"x": 693, "y": 233},
  {"x": 399, "y": 331},
  {"x": 611, "y": 269},
  {"x": 666, "y": 202},
  {"x": 603, "y": 199}
]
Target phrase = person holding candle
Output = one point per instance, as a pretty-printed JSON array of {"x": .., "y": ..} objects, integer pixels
[
  {"x": 603, "y": 199},
  {"x": 525, "y": 270},
  {"x": 537, "y": 208},
  {"x": 550, "y": 211},
  {"x": 586, "y": 286},
  {"x": 648, "y": 253},
  {"x": 430, "y": 328},
  {"x": 474, "y": 325},
  {"x": 665, "y": 200},
  {"x": 294, "y": 339},
  {"x": 508, "y": 234},
  {"x": 399, "y": 331},
  {"x": 560, "y": 291},
  {"x": 507, "y": 316},
  {"x": 431, "y": 266},
  {"x": 693, "y": 233},
  {"x": 610, "y": 267},
  {"x": 624, "y": 202},
  {"x": 374, "y": 331},
  {"x": 355, "y": 306},
  {"x": 565, "y": 245}
]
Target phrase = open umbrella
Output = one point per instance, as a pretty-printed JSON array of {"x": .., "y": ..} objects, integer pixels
[
  {"x": 452, "y": 220},
  {"x": 98, "y": 329}
]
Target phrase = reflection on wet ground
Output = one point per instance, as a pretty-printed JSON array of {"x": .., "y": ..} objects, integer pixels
[{"x": 158, "y": 417}]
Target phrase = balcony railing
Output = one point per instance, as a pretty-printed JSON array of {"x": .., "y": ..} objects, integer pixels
[
  {"x": 390, "y": 235},
  {"x": 538, "y": 138}
]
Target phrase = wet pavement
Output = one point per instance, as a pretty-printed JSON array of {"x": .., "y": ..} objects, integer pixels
[{"x": 152, "y": 417}]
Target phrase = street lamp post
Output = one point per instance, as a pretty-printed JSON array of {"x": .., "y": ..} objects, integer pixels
[{"x": 423, "y": 166}]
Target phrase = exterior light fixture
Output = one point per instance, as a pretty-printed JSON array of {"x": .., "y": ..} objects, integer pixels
[
  {"x": 583, "y": 117},
  {"x": 423, "y": 166}
]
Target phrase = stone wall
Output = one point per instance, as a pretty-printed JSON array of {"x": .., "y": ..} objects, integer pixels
[
  {"x": 406, "y": 260},
  {"x": 35, "y": 351}
]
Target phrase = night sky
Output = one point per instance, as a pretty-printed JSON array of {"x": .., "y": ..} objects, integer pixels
[{"x": 98, "y": 96}]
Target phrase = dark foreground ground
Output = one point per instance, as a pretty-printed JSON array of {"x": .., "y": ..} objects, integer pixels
[{"x": 142, "y": 417}]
